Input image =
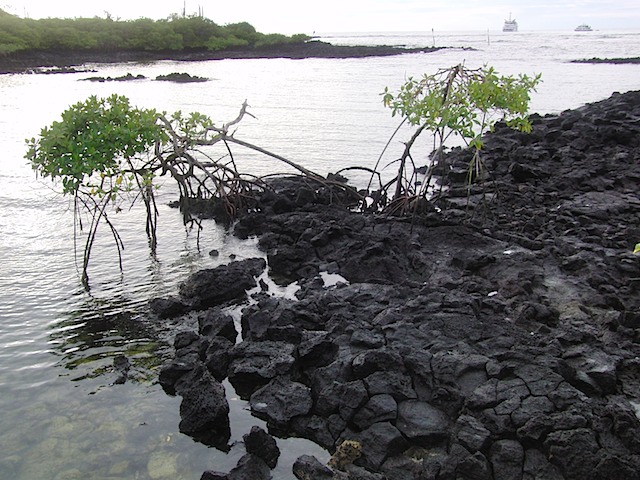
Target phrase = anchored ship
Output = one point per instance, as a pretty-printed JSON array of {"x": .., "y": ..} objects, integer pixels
[
  {"x": 584, "y": 28},
  {"x": 510, "y": 25}
]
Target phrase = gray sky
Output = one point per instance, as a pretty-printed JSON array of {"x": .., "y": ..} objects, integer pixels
[{"x": 296, "y": 16}]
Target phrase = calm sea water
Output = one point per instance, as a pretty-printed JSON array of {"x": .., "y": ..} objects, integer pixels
[{"x": 60, "y": 413}]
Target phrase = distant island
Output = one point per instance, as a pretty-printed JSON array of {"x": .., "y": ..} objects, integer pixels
[{"x": 53, "y": 42}]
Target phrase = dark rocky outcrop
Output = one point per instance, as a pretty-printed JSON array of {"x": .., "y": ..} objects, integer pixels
[
  {"x": 482, "y": 342},
  {"x": 209, "y": 288},
  {"x": 215, "y": 286},
  {"x": 249, "y": 467},
  {"x": 167, "y": 307},
  {"x": 204, "y": 409},
  {"x": 608, "y": 60},
  {"x": 124, "y": 78},
  {"x": 262, "y": 455},
  {"x": 260, "y": 443},
  {"x": 181, "y": 78}
]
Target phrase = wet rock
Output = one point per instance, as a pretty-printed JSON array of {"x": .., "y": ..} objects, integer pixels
[
  {"x": 204, "y": 410},
  {"x": 396, "y": 384},
  {"x": 254, "y": 364},
  {"x": 537, "y": 466},
  {"x": 366, "y": 363},
  {"x": 422, "y": 423},
  {"x": 630, "y": 319},
  {"x": 167, "y": 307},
  {"x": 507, "y": 459},
  {"x": 379, "y": 442},
  {"x": 537, "y": 312},
  {"x": 187, "y": 339},
  {"x": 471, "y": 260},
  {"x": 211, "y": 475},
  {"x": 342, "y": 398},
  {"x": 280, "y": 401},
  {"x": 217, "y": 357},
  {"x": 267, "y": 320},
  {"x": 366, "y": 338},
  {"x": 599, "y": 367},
  {"x": 250, "y": 467},
  {"x": 575, "y": 452},
  {"x": 379, "y": 408},
  {"x": 360, "y": 473},
  {"x": 460, "y": 463},
  {"x": 322, "y": 431},
  {"x": 214, "y": 323},
  {"x": 501, "y": 334},
  {"x": 401, "y": 467},
  {"x": 471, "y": 433},
  {"x": 25, "y": 61},
  {"x": 211, "y": 287},
  {"x": 316, "y": 349},
  {"x": 190, "y": 348},
  {"x": 307, "y": 467},
  {"x": 171, "y": 372},
  {"x": 261, "y": 444}
]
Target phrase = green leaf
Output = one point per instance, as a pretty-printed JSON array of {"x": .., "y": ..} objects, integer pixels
[{"x": 97, "y": 136}]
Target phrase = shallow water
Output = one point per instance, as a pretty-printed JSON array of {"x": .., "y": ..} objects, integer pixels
[{"x": 62, "y": 416}]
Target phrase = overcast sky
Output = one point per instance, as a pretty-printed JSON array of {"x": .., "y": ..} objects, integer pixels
[{"x": 299, "y": 16}]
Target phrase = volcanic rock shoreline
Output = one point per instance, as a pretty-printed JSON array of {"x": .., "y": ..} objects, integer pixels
[
  {"x": 63, "y": 59},
  {"x": 498, "y": 338}
]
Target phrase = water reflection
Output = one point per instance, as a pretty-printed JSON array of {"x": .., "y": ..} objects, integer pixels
[
  {"x": 115, "y": 430},
  {"x": 102, "y": 331}
]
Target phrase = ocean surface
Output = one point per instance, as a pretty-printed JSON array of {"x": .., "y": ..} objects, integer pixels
[{"x": 61, "y": 415}]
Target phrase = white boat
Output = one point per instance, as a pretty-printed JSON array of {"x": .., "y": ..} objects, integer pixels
[
  {"x": 584, "y": 28},
  {"x": 510, "y": 25}
]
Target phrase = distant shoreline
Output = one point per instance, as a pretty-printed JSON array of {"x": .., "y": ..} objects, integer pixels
[{"x": 21, "y": 62}]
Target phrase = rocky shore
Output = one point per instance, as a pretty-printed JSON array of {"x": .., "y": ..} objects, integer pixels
[
  {"x": 28, "y": 61},
  {"x": 496, "y": 337},
  {"x": 617, "y": 61}
]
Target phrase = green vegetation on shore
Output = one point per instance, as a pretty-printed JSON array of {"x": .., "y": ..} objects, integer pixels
[
  {"x": 176, "y": 33},
  {"x": 108, "y": 154}
]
